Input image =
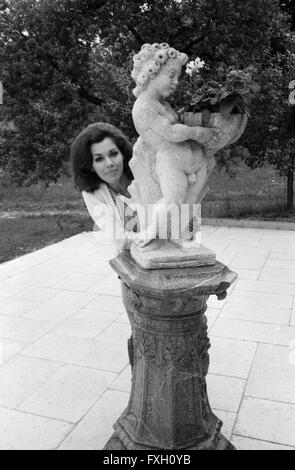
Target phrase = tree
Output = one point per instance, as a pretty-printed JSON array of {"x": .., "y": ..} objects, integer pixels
[
  {"x": 66, "y": 63},
  {"x": 46, "y": 49},
  {"x": 270, "y": 136},
  {"x": 271, "y": 130}
]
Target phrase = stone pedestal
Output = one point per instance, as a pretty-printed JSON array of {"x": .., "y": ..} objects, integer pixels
[
  {"x": 169, "y": 255},
  {"x": 168, "y": 406}
]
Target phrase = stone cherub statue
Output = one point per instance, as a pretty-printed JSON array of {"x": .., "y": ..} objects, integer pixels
[
  {"x": 171, "y": 161},
  {"x": 180, "y": 160}
]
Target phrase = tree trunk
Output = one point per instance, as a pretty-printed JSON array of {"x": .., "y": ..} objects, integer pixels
[{"x": 290, "y": 190}]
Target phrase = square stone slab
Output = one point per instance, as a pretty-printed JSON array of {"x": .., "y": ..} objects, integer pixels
[
  {"x": 273, "y": 374},
  {"x": 169, "y": 255},
  {"x": 267, "y": 420}
]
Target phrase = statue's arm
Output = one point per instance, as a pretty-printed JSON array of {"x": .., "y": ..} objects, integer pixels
[{"x": 180, "y": 132}]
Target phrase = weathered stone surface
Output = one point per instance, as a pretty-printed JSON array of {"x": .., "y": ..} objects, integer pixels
[
  {"x": 172, "y": 160},
  {"x": 168, "y": 406},
  {"x": 168, "y": 255},
  {"x": 232, "y": 127}
]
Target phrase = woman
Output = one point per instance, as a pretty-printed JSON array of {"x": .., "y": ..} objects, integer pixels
[{"x": 99, "y": 158}]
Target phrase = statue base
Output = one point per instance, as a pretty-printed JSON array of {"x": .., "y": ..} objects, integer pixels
[
  {"x": 163, "y": 254},
  {"x": 168, "y": 406},
  {"x": 216, "y": 442}
]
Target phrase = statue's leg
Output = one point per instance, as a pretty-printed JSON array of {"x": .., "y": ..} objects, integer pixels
[
  {"x": 198, "y": 190},
  {"x": 174, "y": 186},
  {"x": 197, "y": 187},
  {"x": 173, "y": 182},
  {"x": 195, "y": 197}
]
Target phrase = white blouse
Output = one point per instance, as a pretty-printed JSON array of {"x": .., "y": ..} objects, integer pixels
[{"x": 105, "y": 214}]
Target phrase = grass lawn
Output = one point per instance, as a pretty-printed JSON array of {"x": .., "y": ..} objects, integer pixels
[
  {"x": 250, "y": 193},
  {"x": 26, "y": 234},
  {"x": 256, "y": 194}
]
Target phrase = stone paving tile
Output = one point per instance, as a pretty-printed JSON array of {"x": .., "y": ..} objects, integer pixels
[
  {"x": 22, "y": 431},
  {"x": 231, "y": 357},
  {"x": 75, "y": 351},
  {"x": 216, "y": 245},
  {"x": 123, "y": 381},
  {"x": 244, "y": 248},
  {"x": 123, "y": 318},
  {"x": 208, "y": 229},
  {"x": 13, "y": 267},
  {"x": 58, "y": 348},
  {"x": 61, "y": 306},
  {"x": 86, "y": 323},
  {"x": 273, "y": 374},
  {"x": 248, "y": 274},
  {"x": 9, "y": 348},
  {"x": 91, "y": 259},
  {"x": 248, "y": 261},
  {"x": 267, "y": 287},
  {"x": 267, "y": 420},
  {"x": 263, "y": 299},
  {"x": 35, "y": 280},
  {"x": 7, "y": 290},
  {"x": 105, "y": 356},
  {"x": 37, "y": 294},
  {"x": 6, "y": 273},
  {"x": 79, "y": 282},
  {"x": 213, "y": 302},
  {"x": 23, "y": 329},
  {"x": 280, "y": 263},
  {"x": 99, "y": 268},
  {"x": 68, "y": 394},
  {"x": 21, "y": 377},
  {"x": 97, "y": 252},
  {"x": 115, "y": 333},
  {"x": 283, "y": 255},
  {"x": 253, "y": 331},
  {"x": 225, "y": 393},
  {"x": 67, "y": 265},
  {"x": 53, "y": 268},
  {"x": 108, "y": 303},
  {"x": 96, "y": 427},
  {"x": 244, "y": 443},
  {"x": 262, "y": 314},
  {"x": 212, "y": 314},
  {"x": 228, "y": 420},
  {"x": 226, "y": 257},
  {"x": 292, "y": 320},
  {"x": 14, "y": 307},
  {"x": 36, "y": 257},
  {"x": 108, "y": 286},
  {"x": 272, "y": 274}
]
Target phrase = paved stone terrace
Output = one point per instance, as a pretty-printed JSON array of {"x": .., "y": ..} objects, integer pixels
[{"x": 64, "y": 374}]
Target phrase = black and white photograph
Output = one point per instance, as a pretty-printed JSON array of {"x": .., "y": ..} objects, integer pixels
[{"x": 147, "y": 227}]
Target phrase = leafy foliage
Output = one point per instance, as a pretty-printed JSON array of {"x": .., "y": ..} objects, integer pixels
[
  {"x": 66, "y": 63},
  {"x": 225, "y": 91}
]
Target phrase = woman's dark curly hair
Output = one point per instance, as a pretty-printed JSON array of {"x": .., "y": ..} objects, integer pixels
[{"x": 81, "y": 158}]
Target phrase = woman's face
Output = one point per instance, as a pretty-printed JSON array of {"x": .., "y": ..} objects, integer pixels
[{"x": 107, "y": 161}]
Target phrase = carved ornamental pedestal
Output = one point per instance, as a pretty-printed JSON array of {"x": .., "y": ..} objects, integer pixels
[{"x": 168, "y": 406}]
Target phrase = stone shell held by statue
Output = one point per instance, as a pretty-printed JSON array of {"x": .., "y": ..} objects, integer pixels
[{"x": 231, "y": 127}]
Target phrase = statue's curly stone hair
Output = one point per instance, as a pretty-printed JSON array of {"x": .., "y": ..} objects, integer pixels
[{"x": 149, "y": 60}]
